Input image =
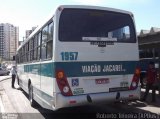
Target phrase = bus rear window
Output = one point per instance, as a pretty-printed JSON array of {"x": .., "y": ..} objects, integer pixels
[{"x": 81, "y": 25}]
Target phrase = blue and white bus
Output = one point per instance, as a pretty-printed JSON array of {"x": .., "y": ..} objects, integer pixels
[{"x": 81, "y": 55}]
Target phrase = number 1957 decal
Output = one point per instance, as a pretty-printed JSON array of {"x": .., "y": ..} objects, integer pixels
[{"x": 69, "y": 56}]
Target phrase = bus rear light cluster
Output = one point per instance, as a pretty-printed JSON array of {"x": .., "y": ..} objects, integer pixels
[
  {"x": 65, "y": 89},
  {"x": 63, "y": 83},
  {"x": 135, "y": 79}
]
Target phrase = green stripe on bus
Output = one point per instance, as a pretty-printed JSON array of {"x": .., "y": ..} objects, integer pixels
[
  {"x": 45, "y": 69},
  {"x": 80, "y": 69}
]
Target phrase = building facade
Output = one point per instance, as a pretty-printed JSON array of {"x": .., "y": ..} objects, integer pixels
[
  {"x": 1, "y": 40},
  {"x": 149, "y": 47},
  {"x": 28, "y": 32},
  {"x": 9, "y": 37}
]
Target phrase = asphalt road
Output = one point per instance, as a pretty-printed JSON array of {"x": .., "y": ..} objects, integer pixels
[{"x": 16, "y": 104}]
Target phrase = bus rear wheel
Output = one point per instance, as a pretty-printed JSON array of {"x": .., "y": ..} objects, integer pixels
[{"x": 31, "y": 100}]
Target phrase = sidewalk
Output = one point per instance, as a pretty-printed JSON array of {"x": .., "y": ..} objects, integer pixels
[
  {"x": 2, "y": 78},
  {"x": 5, "y": 105}
]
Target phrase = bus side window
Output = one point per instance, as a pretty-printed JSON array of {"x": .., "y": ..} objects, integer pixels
[
  {"x": 27, "y": 52},
  {"x": 44, "y": 39},
  {"x": 31, "y": 49},
  {"x": 35, "y": 47},
  {"x": 39, "y": 46},
  {"x": 50, "y": 41}
]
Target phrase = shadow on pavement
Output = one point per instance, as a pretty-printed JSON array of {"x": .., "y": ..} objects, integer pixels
[{"x": 119, "y": 110}]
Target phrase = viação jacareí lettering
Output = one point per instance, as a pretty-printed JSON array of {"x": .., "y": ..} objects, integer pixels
[{"x": 105, "y": 68}]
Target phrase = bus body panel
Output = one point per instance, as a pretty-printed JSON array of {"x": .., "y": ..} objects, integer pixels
[
  {"x": 86, "y": 76},
  {"x": 87, "y": 52},
  {"x": 97, "y": 98},
  {"x": 42, "y": 80},
  {"x": 85, "y": 64}
]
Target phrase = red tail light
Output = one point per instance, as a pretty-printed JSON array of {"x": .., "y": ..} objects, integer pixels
[
  {"x": 135, "y": 79},
  {"x": 63, "y": 83}
]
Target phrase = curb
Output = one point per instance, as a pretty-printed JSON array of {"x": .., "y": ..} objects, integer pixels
[{"x": 4, "y": 79}]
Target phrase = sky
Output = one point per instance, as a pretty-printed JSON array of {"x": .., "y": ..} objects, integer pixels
[{"x": 29, "y": 13}]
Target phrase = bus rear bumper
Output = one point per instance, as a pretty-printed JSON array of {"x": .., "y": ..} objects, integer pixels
[{"x": 78, "y": 100}]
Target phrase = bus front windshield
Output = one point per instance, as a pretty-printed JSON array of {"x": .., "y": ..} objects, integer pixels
[{"x": 80, "y": 25}]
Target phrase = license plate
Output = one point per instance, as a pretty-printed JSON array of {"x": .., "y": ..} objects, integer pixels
[
  {"x": 124, "y": 84},
  {"x": 102, "y": 81}
]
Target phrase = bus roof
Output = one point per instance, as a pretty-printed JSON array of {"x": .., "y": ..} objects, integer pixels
[{"x": 95, "y": 7}]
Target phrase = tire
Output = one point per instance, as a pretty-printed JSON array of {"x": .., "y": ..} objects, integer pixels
[
  {"x": 31, "y": 100},
  {"x": 8, "y": 73}
]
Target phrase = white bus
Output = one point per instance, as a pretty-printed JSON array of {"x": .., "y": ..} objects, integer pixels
[{"x": 81, "y": 55}]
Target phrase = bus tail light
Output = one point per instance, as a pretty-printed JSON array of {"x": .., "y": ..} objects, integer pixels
[
  {"x": 135, "y": 79},
  {"x": 63, "y": 83}
]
